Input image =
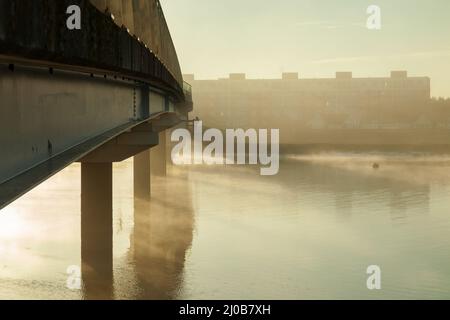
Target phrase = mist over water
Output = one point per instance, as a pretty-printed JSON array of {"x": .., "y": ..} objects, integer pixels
[
  {"x": 371, "y": 157},
  {"x": 225, "y": 232},
  {"x": 359, "y": 111},
  {"x": 413, "y": 167}
]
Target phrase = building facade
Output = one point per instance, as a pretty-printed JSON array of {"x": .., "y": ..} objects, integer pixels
[{"x": 303, "y": 107}]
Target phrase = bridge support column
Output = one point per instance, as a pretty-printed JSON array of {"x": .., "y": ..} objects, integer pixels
[
  {"x": 97, "y": 229},
  {"x": 142, "y": 176},
  {"x": 159, "y": 157}
]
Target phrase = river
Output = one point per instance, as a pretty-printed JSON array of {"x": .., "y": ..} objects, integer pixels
[{"x": 225, "y": 232}]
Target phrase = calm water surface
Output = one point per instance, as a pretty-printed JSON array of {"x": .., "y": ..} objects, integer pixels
[{"x": 228, "y": 233}]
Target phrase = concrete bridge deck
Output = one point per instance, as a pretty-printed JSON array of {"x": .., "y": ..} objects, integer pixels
[{"x": 99, "y": 94}]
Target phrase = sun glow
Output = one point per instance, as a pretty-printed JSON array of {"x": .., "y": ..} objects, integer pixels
[{"x": 11, "y": 224}]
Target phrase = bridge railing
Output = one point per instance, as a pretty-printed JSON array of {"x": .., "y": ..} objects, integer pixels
[
  {"x": 102, "y": 44},
  {"x": 146, "y": 20}
]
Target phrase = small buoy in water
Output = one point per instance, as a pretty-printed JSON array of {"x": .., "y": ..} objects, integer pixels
[{"x": 376, "y": 166}]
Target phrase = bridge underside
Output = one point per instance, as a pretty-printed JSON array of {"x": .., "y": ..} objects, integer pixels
[
  {"x": 97, "y": 95},
  {"x": 100, "y": 94},
  {"x": 52, "y": 118}
]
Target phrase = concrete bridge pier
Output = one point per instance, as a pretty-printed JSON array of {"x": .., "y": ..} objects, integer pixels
[
  {"x": 142, "y": 176},
  {"x": 97, "y": 230},
  {"x": 159, "y": 157},
  {"x": 148, "y": 163},
  {"x": 97, "y": 204}
]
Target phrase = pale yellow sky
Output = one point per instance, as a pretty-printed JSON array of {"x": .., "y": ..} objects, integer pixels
[{"x": 313, "y": 37}]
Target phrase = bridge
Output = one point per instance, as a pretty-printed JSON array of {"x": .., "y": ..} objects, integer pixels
[{"x": 96, "y": 95}]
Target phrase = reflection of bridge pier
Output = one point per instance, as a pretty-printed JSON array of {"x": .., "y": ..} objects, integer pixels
[
  {"x": 97, "y": 198},
  {"x": 162, "y": 229},
  {"x": 161, "y": 236}
]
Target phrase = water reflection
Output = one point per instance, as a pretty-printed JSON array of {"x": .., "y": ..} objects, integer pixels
[
  {"x": 161, "y": 236},
  {"x": 227, "y": 233},
  {"x": 395, "y": 186}
]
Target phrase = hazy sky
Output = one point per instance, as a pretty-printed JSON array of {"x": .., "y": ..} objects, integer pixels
[{"x": 313, "y": 37}]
